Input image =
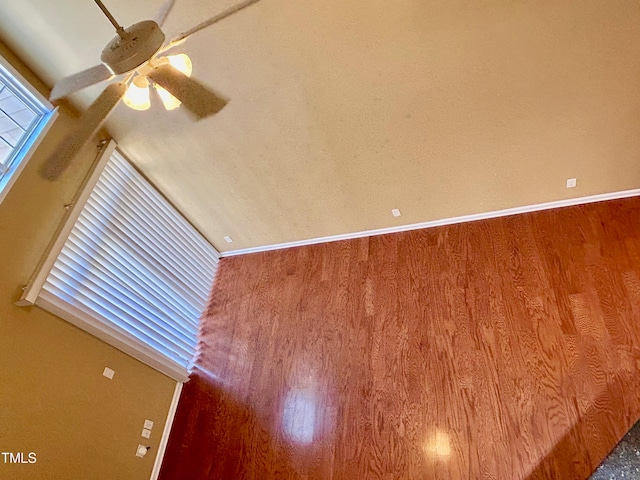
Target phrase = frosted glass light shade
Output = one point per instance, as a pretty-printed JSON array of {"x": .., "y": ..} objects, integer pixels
[
  {"x": 181, "y": 62},
  {"x": 137, "y": 94},
  {"x": 169, "y": 101}
]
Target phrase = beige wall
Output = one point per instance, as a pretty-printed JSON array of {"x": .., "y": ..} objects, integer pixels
[
  {"x": 54, "y": 400},
  {"x": 339, "y": 114}
]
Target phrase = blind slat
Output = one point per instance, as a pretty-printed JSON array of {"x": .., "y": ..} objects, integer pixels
[
  {"x": 128, "y": 214},
  {"x": 120, "y": 172},
  {"x": 136, "y": 282},
  {"x": 141, "y": 258},
  {"x": 119, "y": 295},
  {"x": 101, "y": 308}
]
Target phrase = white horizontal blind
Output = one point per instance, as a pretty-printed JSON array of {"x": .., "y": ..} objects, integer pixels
[{"x": 133, "y": 271}]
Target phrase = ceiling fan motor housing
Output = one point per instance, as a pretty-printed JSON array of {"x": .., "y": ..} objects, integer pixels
[{"x": 138, "y": 44}]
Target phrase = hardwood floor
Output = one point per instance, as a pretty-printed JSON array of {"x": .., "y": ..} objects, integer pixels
[{"x": 500, "y": 349}]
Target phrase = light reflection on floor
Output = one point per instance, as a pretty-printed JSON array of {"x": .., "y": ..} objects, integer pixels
[{"x": 299, "y": 416}]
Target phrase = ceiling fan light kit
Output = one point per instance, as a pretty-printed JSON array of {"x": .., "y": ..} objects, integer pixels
[
  {"x": 138, "y": 95},
  {"x": 132, "y": 55}
]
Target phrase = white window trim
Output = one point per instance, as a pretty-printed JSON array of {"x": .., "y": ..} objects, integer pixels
[{"x": 36, "y": 137}]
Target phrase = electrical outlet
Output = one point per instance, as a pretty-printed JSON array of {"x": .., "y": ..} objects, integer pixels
[
  {"x": 228, "y": 239},
  {"x": 148, "y": 424},
  {"x": 108, "y": 373},
  {"x": 571, "y": 182},
  {"x": 146, "y": 433},
  {"x": 395, "y": 212},
  {"x": 141, "y": 451}
]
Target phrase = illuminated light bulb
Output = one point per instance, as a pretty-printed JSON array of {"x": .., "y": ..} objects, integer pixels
[
  {"x": 137, "y": 95},
  {"x": 169, "y": 101},
  {"x": 181, "y": 62}
]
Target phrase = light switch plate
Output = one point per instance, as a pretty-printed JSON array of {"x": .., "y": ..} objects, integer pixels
[
  {"x": 108, "y": 373},
  {"x": 146, "y": 433},
  {"x": 148, "y": 424}
]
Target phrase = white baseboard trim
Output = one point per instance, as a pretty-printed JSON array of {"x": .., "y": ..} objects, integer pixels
[
  {"x": 437, "y": 223},
  {"x": 157, "y": 464}
]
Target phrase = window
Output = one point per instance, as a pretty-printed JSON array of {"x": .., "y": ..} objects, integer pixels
[
  {"x": 130, "y": 270},
  {"x": 24, "y": 115}
]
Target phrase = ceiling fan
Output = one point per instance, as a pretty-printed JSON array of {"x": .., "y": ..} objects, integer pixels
[{"x": 135, "y": 56}]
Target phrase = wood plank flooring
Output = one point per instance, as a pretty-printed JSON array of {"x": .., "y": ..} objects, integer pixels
[{"x": 499, "y": 349}]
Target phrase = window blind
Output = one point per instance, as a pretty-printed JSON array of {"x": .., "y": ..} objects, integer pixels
[{"x": 133, "y": 272}]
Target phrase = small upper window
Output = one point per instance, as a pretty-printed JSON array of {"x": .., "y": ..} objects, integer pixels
[{"x": 24, "y": 114}]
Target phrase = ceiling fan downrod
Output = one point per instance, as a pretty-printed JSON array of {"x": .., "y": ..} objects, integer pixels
[{"x": 119, "y": 30}]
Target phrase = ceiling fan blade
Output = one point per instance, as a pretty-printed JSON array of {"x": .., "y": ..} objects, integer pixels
[
  {"x": 164, "y": 11},
  {"x": 198, "y": 99},
  {"x": 211, "y": 21},
  {"x": 73, "y": 83},
  {"x": 88, "y": 124}
]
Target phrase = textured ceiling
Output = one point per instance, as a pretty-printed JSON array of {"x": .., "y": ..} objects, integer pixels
[{"x": 341, "y": 111}]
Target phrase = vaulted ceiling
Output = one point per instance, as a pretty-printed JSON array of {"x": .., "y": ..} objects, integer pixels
[{"x": 341, "y": 111}]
